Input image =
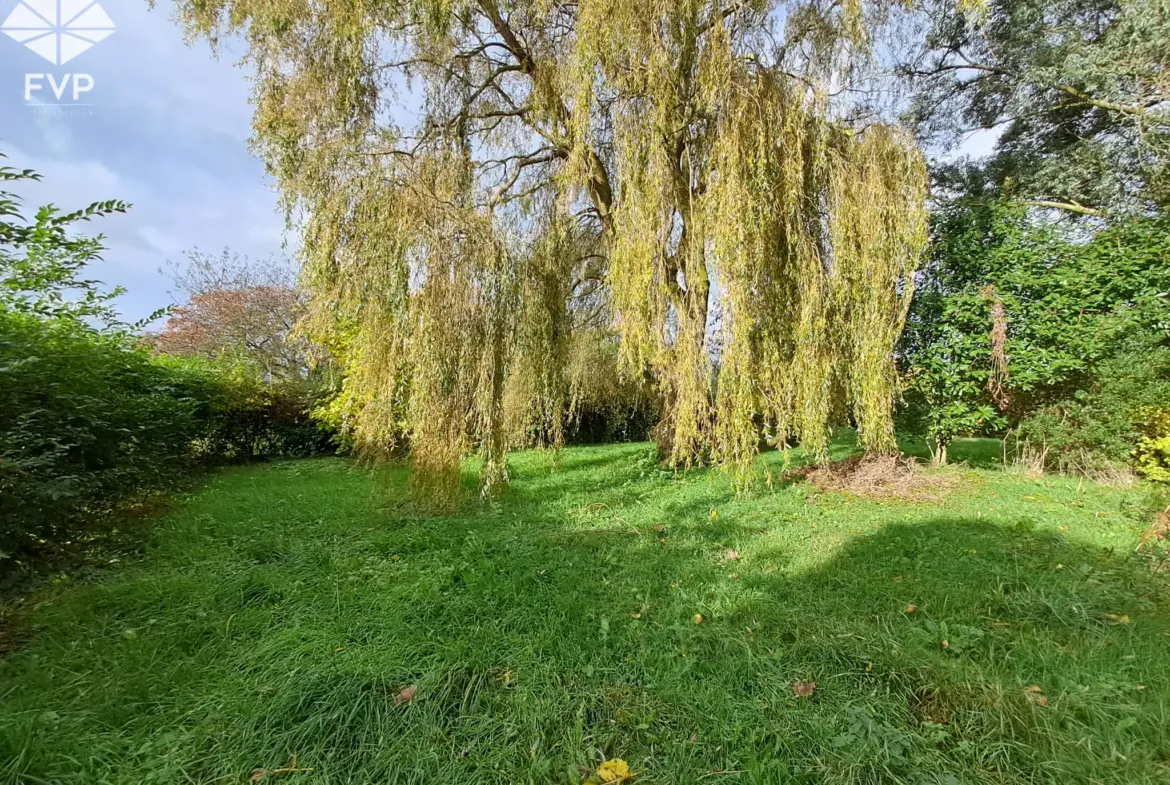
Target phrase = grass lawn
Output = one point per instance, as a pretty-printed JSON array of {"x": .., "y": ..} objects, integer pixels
[{"x": 1006, "y": 634}]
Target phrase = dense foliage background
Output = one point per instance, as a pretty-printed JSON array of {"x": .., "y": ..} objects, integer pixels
[
  {"x": 1053, "y": 334},
  {"x": 90, "y": 416}
]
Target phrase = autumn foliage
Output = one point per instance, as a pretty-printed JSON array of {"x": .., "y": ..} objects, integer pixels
[{"x": 252, "y": 325}]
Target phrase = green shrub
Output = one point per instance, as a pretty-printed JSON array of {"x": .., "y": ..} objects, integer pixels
[
  {"x": 1109, "y": 422},
  {"x": 1153, "y": 452},
  {"x": 243, "y": 418},
  {"x": 1024, "y": 325},
  {"x": 85, "y": 420},
  {"x": 88, "y": 420}
]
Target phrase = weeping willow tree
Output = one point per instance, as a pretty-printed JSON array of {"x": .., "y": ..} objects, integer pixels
[{"x": 471, "y": 174}]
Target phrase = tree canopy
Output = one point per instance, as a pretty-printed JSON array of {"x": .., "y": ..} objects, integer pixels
[
  {"x": 1079, "y": 89},
  {"x": 462, "y": 167},
  {"x": 239, "y": 311}
]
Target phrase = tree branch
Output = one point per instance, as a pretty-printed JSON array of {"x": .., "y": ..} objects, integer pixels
[{"x": 1070, "y": 206}]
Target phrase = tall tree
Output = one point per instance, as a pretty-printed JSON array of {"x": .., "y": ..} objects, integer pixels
[
  {"x": 692, "y": 139},
  {"x": 1079, "y": 88},
  {"x": 252, "y": 326},
  {"x": 241, "y": 310}
]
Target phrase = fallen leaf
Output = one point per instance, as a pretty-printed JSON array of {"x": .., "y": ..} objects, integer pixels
[
  {"x": 406, "y": 695},
  {"x": 658, "y": 527},
  {"x": 910, "y": 608},
  {"x": 1115, "y": 619},
  {"x": 946, "y": 644},
  {"x": 635, "y": 615},
  {"x": 714, "y": 513},
  {"x": 616, "y": 770},
  {"x": 694, "y": 738},
  {"x": 731, "y": 554},
  {"x": 804, "y": 689},
  {"x": 506, "y": 681},
  {"x": 698, "y": 619},
  {"x": 1036, "y": 695}
]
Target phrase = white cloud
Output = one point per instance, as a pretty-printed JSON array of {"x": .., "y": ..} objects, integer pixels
[
  {"x": 166, "y": 244},
  {"x": 64, "y": 182},
  {"x": 168, "y": 132}
]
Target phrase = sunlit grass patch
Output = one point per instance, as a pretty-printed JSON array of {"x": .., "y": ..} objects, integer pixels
[{"x": 1003, "y": 634}]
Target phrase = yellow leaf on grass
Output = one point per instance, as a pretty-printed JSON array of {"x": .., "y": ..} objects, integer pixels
[
  {"x": 615, "y": 770},
  {"x": 698, "y": 619}
]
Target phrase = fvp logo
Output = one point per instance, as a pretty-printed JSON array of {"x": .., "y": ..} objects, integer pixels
[{"x": 58, "y": 30}]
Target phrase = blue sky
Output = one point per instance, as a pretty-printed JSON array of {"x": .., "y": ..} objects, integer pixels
[{"x": 167, "y": 131}]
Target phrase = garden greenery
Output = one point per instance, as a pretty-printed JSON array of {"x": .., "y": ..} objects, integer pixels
[
  {"x": 687, "y": 152},
  {"x": 89, "y": 418},
  {"x": 1083, "y": 334}
]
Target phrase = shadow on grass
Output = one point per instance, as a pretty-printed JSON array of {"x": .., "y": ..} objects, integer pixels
[{"x": 558, "y": 626}]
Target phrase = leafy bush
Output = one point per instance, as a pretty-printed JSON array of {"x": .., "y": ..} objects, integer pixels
[
  {"x": 1022, "y": 324},
  {"x": 1153, "y": 452},
  {"x": 244, "y": 418},
  {"x": 88, "y": 418},
  {"x": 85, "y": 420},
  {"x": 1112, "y": 420}
]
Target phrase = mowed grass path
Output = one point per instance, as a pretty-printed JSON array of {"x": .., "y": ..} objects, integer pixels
[{"x": 281, "y": 609}]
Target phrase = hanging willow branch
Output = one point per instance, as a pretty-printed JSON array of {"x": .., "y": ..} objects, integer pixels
[{"x": 754, "y": 254}]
